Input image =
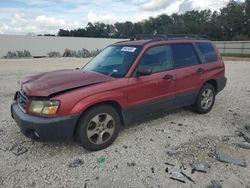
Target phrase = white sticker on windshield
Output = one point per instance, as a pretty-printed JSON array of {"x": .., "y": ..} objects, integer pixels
[{"x": 128, "y": 49}]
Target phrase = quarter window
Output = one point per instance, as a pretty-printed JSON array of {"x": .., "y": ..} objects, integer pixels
[
  {"x": 157, "y": 58},
  {"x": 184, "y": 55},
  {"x": 208, "y": 52}
]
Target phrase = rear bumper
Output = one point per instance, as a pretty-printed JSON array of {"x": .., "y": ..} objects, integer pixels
[
  {"x": 43, "y": 128},
  {"x": 221, "y": 83}
]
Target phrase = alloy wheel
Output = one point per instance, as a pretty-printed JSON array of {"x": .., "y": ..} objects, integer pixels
[
  {"x": 100, "y": 128},
  {"x": 207, "y": 98}
]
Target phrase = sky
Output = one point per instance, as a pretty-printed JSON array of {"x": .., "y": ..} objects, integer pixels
[{"x": 22, "y": 17}]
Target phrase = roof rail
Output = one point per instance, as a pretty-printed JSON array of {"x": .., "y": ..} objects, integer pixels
[
  {"x": 171, "y": 37},
  {"x": 122, "y": 41}
]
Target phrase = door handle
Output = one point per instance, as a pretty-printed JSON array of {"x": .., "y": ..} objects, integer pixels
[
  {"x": 167, "y": 77},
  {"x": 200, "y": 70}
]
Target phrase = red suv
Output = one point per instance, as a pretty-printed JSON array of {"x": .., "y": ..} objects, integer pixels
[{"x": 126, "y": 81}]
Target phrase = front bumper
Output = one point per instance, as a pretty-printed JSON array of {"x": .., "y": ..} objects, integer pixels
[{"x": 44, "y": 128}]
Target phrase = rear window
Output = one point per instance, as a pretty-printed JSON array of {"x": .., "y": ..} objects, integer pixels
[
  {"x": 184, "y": 55},
  {"x": 208, "y": 52}
]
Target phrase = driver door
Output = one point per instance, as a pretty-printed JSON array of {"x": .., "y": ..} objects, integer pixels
[{"x": 155, "y": 91}]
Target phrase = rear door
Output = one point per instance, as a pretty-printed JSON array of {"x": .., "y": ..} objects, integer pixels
[
  {"x": 155, "y": 91},
  {"x": 212, "y": 65},
  {"x": 188, "y": 71}
]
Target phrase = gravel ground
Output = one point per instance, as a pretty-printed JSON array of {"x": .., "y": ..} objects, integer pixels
[{"x": 144, "y": 154}]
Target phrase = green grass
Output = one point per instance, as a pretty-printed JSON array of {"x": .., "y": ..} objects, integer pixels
[{"x": 235, "y": 55}]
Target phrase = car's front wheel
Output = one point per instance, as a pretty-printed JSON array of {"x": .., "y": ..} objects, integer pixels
[
  {"x": 98, "y": 127},
  {"x": 205, "y": 99}
]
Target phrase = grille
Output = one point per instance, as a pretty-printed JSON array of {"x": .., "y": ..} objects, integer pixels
[{"x": 22, "y": 100}]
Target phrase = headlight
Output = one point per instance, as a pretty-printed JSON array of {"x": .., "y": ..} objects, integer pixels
[{"x": 44, "y": 107}]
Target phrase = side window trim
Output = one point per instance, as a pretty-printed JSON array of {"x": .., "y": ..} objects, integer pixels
[{"x": 199, "y": 54}]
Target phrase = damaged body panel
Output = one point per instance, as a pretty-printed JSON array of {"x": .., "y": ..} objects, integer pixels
[{"x": 46, "y": 84}]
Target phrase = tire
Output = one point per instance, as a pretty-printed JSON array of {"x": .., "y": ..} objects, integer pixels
[
  {"x": 202, "y": 107},
  {"x": 98, "y": 127}
]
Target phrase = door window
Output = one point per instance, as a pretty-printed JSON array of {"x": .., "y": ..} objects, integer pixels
[
  {"x": 157, "y": 58},
  {"x": 184, "y": 55}
]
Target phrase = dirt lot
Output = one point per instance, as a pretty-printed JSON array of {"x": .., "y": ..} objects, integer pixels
[{"x": 145, "y": 154}]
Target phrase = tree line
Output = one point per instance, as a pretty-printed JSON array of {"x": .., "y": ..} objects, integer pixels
[{"x": 229, "y": 23}]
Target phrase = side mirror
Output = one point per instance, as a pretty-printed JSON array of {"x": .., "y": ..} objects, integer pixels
[{"x": 143, "y": 71}]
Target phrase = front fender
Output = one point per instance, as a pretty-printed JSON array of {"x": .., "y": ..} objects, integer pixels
[{"x": 85, "y": 103}]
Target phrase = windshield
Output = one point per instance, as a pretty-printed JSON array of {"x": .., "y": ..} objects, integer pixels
[{"x": 113, "y": 61}]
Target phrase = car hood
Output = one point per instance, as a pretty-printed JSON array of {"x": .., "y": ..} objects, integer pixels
[{"x": 48, "y": 83}]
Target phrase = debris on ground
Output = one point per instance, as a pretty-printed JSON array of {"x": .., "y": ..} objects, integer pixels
[
  {"x": 200, "y": 167},
  {"x": 153, "y": 170},
  {"x": 189, "y": 178},
  {"x": 149, "y": 177},
  {"x": 167, "y": 170},
  {"x": 162, "y": 130},
  {"x": 85, "y": 185},
  {"x": 176, "y": 175},
  {"x": 169, "y": 164},
  {"x": 235, "y": 114},
  {"x": 183, "y": 166},
  {"x": 101, "y": 160},
  {"x": 243, "y": 145},
  {"x": 215, "y": 184},
  {"x": 224, "y": 157},
  {"x": 225, "y": 138},
  {"x": 211, "y": 154},
  {"x": 76, "y": 163},
  {"x": 132, "y": 164},
  {"x": 182, "y": 181},
  {"x": 172, "y": 152},
  {"x": 19, "y": 150},
  {"x": 125, "y": 147},
  {"x": 245, "y": 135}
]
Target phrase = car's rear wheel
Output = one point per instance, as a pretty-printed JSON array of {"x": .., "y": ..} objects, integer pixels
[
  {"x": 205, "y": 99},
  {"x": 98, "y": 127}
]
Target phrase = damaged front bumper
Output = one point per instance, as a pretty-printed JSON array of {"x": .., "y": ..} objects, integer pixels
[{"x": 44, "y": 128}]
